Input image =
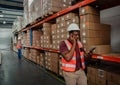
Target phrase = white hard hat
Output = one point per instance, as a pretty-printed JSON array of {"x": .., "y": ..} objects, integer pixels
[{"x": 73, "y": 27}]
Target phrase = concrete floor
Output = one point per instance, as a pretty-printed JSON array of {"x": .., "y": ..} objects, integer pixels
[{"x": 23, "y": 72}]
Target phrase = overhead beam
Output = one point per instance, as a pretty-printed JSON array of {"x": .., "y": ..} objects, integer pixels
[
  {"x": 8, "y": 9},
  {"x": 11, "y": 12},
  {"x": 8, "y": 16},
  {"x": 5, "y": 19},
  {"x": 10, "y": 3},
  {"x": 18, "y": 0}
]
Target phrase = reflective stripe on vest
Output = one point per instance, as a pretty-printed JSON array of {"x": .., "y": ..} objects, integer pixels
[{"x": 71, "y": 65}]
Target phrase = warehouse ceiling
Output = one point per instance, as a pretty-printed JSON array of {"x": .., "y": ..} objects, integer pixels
[{"x": 9, "y": 11}]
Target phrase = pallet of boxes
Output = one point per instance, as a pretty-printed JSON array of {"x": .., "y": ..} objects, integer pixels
[{"x": 95, "y": 34}]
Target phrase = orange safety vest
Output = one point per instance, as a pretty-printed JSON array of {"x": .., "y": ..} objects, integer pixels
[
  {"x": 18, "y": 46},
  {"x": 71, "y": 65}
]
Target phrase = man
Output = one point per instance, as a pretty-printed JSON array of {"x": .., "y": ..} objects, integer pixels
[
  {"x": 19, "y": 47},
  {"x": 73, "y": 58}
]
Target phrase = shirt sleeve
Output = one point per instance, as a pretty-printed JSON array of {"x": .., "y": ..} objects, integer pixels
[{"x": 63, "y": 47}]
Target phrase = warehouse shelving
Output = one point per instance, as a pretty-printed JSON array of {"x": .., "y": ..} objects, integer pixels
[
  {"x": 94, "y": 56},
  {"x": 85, "y": 2},
  {"x": 107, "y": 58}
]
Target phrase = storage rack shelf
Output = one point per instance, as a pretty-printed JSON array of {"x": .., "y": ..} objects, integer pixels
[
  {"x": 40, "y": 48},
  {"x": 107, "y": 58},
  {"x": 94, "y": 56},
  {"x": 85, "y": 2}
]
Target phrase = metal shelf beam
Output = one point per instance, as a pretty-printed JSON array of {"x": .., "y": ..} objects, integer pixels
[
  {"x": 40, "y": 48},
  {"x": 106, "y": 58},
  {"x": 94, "y": 56}
]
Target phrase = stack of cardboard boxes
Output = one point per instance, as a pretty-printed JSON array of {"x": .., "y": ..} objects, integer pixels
[
  {"x": 104, "y": 75},
  {"x": 33, "y": 55},
  {"x": 42, "y": 60},
  {"x": 26, "y": 52},
  {"x": 28, "y": 38},
  {"x": 51, "y": 61},
  {"x": 113, "y": 77},
  {"x": 92, "y": 32},
  {"x": 46, "y": 38},
  {"x": 40, "y": 8},
  {"x": 36, "y": 37},
  {"x": 96, "y": 76}
]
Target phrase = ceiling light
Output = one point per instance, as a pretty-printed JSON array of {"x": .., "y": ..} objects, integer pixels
[
  {"x": 1, "y": 15},
  {"x": 4, "y": 22}
]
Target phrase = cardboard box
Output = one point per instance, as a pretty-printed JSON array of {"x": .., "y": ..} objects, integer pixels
[
  {"x": 54, "y": 37},
  {"x": 64, "y": 6},
  {"x": 101, "y": 77},
  {"x": 88, "y": 10},
  {"x": 111, "y": 83},
  {"x": 54, "y": 3},
  {"x": 64, "y": 36},
  {"x": 69, "y": 16},
  {"x": 92, "y": 41},
  {"x": 63, "y": 24},
  {"x": 46, "y": 25},
  {"x": 91, "y": 83},
  {"x": 114, "y": 77},
  {"x": 100, "y": 81},
  {"x": 73, "y": 20},
  {"x": 94, "y": 26},
  {"x": 63, "y": 30},
  {"x": 58, "y": 20},
  {"x": 90, "y": 33},
  {"x": 91, "y": 78},
  {"x": 100, "y": 49},
  {"x": 101, "y": 74},
  {"x": 53, "y": 9},
  {"x": 91, "y": 74},
  {"x": 90, "y": 18},
  {"x": 54, "y": 28}
]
